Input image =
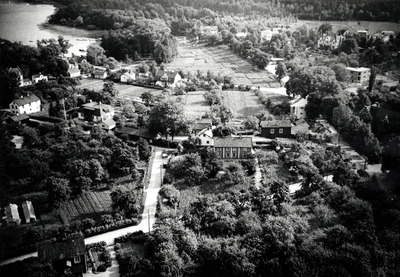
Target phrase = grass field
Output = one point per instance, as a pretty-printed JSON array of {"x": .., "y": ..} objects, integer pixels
[
  {"x": 194, "y": 104},
  {"x": 87, "y": 204},
  {"x": 219, "y": 59},
  {"x": 242, "y": 103}
]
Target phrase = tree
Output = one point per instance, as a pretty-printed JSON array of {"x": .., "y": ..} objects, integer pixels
[
  {"x": 341, "y": 73},
  {"x": 325, "y": 28},
  {"x": 95, "y": 55},
  {"x": 371, "y": 81},
  {"x": 147, "y": 97},
  {"x": 348, "y": 46},
  {"x": 171, "y": 193},
  {"x": 166, "y": 118},
  {"x": 59, "y": 190},
  {"x": 126, "y": 200},
  {"x": 281, "y": 71},
  {"x": 144, "y": 149}
]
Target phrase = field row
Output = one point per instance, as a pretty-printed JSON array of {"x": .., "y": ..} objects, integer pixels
[{"x": 87, "y": 203}]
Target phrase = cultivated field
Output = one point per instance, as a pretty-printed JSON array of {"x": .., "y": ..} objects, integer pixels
[
  {"x": 242, "y": 103},
  {"x": 87, "y": 204},
  {"x": 91, "y": 84},
  {"x": 219, "y": 59}
]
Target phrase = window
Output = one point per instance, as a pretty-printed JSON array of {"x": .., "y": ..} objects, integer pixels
[
  {"x": 204, "y": 135},
  {"x": 272, "y": 131},
  {"x": 234, "y": 155},
  {"x": 77, "y": 259},
  {"x": 227, "y": 154},
  {"x": 280, "y": 131},
  {"x": 208, "y": 142}
]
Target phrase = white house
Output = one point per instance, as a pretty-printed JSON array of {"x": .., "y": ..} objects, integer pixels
[
  {"x": 28, "y": 104},
  {"x": 297, "y": 108},
  {"x": 100, "y": 74},
  {"x": 39, "y": 78},
  {"x": 130, "y": 75},
  {"x": 266, "y": 35},
  {"x": 206, "y": 137},
  {"x": 73, "y": 71},
  {"x": 167, "y": 78}
]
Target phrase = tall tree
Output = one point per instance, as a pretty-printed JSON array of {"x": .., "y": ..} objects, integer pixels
[
  {"x": 167, "y": 117},
  {"x": 372, "y": 78}
]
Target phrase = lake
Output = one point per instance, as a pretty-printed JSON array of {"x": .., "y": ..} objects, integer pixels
[{"x": 25, "y": 23}]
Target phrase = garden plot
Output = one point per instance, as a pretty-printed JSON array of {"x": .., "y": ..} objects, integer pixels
[
  {"x": 88, "y": 203},
  {"x": 219, "y": 59},
  {"x": 242, "y": 103},
  {"x": 129, "y": 91}
]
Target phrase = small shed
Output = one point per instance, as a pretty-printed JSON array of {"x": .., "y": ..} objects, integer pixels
[
  {"x": 276, "y": 128},
  {"x": 12, "y": 214}
]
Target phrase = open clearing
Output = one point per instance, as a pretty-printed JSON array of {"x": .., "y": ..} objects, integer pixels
[
  {"x": 87, "y": 204},
  {"x": 194, "y": 104},
  {"x": 242, "y": 103},
  {"x": 219, "y": 59}
]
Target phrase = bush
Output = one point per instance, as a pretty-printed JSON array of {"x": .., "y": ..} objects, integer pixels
[{"x": 102, "y": 268}]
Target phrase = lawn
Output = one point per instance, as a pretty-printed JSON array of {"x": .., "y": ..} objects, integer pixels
[
  {"x": 220, "y": 59},
  {"x": 242, "y": 103},
  {"x": 129, "y": 91},
  {"x": 194, "y": 104},
  {"x": 87, "y": 204}
]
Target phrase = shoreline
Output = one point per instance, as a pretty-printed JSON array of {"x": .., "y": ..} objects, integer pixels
[{"x": 72, "y": 31}]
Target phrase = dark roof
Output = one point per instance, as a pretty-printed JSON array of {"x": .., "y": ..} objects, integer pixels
[
  {"x": 202, "y": 123},
  {"x": 143, "y": 132},
  {"x": 233, "y": 142},
  {"x": 49, "y": 251},
  {"x": 94, "y": 107},
  {"x": 21, "y": 117},
  {"x": 275, "y": 124},
  {"x": 170, "y": 74},
  {"x": 26, "y": 100}
]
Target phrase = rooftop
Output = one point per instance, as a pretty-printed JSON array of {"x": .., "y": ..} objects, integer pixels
[
  {"x": 233, "y": 142},
  {"x": 26, "y": 100},
  {"x": 12, "y": 212},
  {"x": 358, "y": 69},
  {"x": 276, "y": 123},
  {"x": 49, "y": 251},
  {"x": 299, "y": 102}
]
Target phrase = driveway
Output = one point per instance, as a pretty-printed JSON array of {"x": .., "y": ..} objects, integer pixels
[{"x": 148, "y": 216}]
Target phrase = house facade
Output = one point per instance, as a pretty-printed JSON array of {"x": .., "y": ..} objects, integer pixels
[
  {"x": 100, "y": 74},
  {"x": 39, "y": 78},
  {"x": 12, "y": 215},
  {"x": 276, "y": 128},
  {"x": 297, "y": 108},
  {"x": 25, "y": 105},
  {"x": 128, "y": 76},
  {"x": 98, "y": 113},
  {"x": 68, "y": 255},
  {"x": 233, "y": 147},
  {"x": 359, "y": 75},
  {"x": 73, "y": 71},
  {"x": 206, "y": 137},
  {"x": 167, "y": 78},
  {"x": 29, "y": 211}
]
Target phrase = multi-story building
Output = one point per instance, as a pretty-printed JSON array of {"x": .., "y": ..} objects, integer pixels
[
  {"x": 359, "y": 75},
  {"x": 233, "y": 147},
  {"x": 98, "y": 113},
  {"x": 25, "y": 105}
]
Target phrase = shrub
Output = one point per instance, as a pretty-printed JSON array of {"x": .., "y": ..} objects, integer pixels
[{"x": 102, "y": 268}]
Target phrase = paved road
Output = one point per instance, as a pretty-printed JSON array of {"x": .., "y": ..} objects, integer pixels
[{"x": 148, "y": 216}]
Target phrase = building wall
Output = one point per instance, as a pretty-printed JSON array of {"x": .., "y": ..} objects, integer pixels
[
  {"x": 359, "y": 77},
  {"x": 233, "y": 152},
  {"x": 298, "y": 112},
  {"x": 274, "y": 132}
]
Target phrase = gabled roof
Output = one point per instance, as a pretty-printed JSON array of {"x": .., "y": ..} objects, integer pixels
[
  {"x": 110, "y": 123},
  {"x": 73, "y": 70},
  {"x": 233, "y": 142},
  {"x": 300, "y": 102},
  {"x": 49, "y": 251},
  {"x": 207, "y": 132},
  {"x": 170, "y": 74},
  {"x": 95, "y": 108},
  {"x": 18, "y": 118},
  {"x": 26, "y": 100},
  {"x": 276, "y": 124}
]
